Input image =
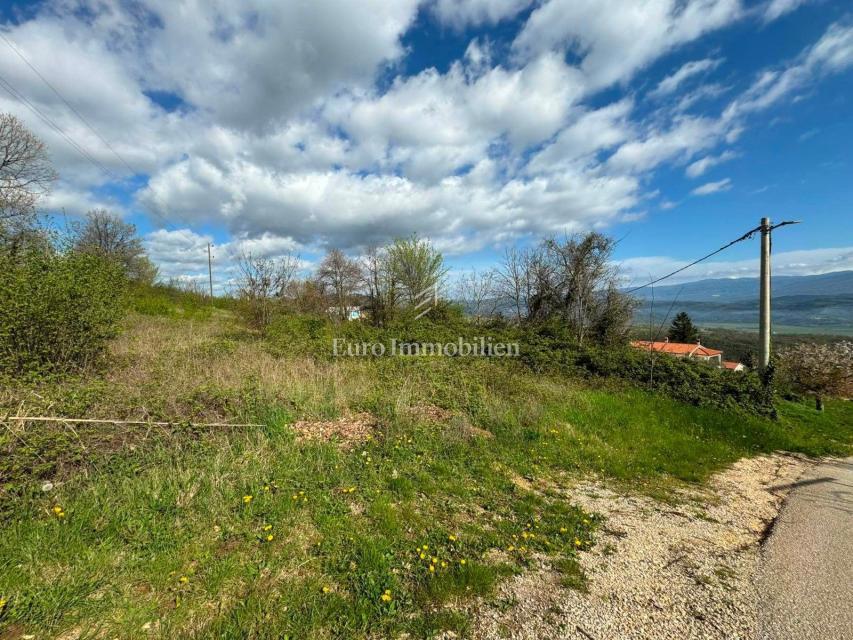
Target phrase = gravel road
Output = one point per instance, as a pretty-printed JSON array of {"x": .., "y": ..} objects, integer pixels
[
  {"x": 658, "y": 571},
  {"x": 805, "y": 583}
]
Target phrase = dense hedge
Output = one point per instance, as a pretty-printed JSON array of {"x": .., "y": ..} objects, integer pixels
[
  {"x": 690, "y": 381},
  {"x": 57, "y": 310}
]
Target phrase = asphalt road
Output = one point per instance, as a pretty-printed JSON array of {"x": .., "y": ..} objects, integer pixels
[{"x": 805, "y": 583}]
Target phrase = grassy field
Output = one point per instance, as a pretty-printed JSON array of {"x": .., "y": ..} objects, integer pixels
[{"x": 443, "y": 476}]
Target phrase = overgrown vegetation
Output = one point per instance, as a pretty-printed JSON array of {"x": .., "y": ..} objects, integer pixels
[{"x": 346, "y": 495}]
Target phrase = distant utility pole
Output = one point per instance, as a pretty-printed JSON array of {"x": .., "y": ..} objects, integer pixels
[
  {"x": 210, "y": 270},
  {"x": 764, "y": 298}
]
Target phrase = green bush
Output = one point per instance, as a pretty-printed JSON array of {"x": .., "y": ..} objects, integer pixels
[
  {"x": 57, "y": 310},
  {"x": 168, "y": 301},
  {"x": 690, "y": 381}
]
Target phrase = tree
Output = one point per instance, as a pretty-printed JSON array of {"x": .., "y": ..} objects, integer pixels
[
  {"x": 477, "y": 292},
  {"x": 105, "y": 234},
  {"x": 819, "y": 369},
  {"x": 342, "y": 275},
  {"x": 262, "y": 282},
  {"x": 26, "y": 174},
  {"x": 380, "y": 285},
  {"x": 417, "y": 267},
  {"x": 682, "y": 329}
]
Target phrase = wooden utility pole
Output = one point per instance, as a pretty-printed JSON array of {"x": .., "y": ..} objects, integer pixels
[
  {"x": 764, "y": 298},
  {"x": 210, "y": 271}
]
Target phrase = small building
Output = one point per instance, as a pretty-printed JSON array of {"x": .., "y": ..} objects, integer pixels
[
  {"x": 695, "y": 351},
  {"x": 733, "y": 366}
]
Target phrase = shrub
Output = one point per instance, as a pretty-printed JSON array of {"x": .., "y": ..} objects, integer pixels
[
  {"x": 57, "y": 310},
  {"x": 690, "y": 381}
]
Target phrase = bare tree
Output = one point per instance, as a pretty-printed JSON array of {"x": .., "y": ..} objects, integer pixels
[
  {"x": 819, "y": 369},
  {"x": 105, "y": 234},
  {"x": 343, "y": 276},
  {"x": 582, "y": 269},
  {"x": 26, "y": 172},
  {"x": 262, "y": 283},
  {"x": 477, "y": 290},
  {"x": 380, "y": 285}
]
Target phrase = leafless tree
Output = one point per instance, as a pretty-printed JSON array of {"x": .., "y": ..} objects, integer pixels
[
  {"x": 342, "y": 276},
  {"x": 582, "y": 269},
  {"x": 26, "y": 172},
  {"x": 380, "y": 285},
  {"x": 477, "y": 290},
  {"x": 262, "y": 283},
  {"x": 105, "y": 234},
  {"x": 520, "y": 278}
]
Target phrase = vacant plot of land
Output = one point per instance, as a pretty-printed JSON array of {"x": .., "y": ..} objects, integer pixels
[{"x": 382, "y": 496}]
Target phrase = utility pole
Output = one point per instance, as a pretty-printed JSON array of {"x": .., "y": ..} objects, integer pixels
[
  {"x": 764, "y": 298},
  {"x": 210, "y": 270}
]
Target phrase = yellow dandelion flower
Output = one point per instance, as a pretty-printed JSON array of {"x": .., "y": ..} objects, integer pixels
[
  {"x": 432, "y": 568},
  {"x": 511, "y": 548},
  {"x": 247, "y": 499},
  {"x": 57, "y": 509},
  {"x": 423, "y": 556},
  {"x": 443, "y": 564},
  {"x": 266, "y": 487},
  {"x": 563, "y": 529},
  {"x": 326, "y": 588},
  {"x": 183, "y": 579},
  {"x": 577, "y": 542},
  {"x": 3, "y": 602},
  {"x": 267, "y": 527},
  {"x": 270, "y": 537},
  {"x": 294, "y": 497},
  {"x": 426, "y": 548},
  {"x": 386, "y": 597},
  {"x": 462, "y": 561},
  {"x": 434, "y": 560},
  {"x": 451, "y": 537}
]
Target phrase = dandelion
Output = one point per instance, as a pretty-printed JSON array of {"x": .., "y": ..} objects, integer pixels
[
  {"x": 578, "y": 542},
  {"x": 3, "y": 602},
  {"x": 434, "y": 560},
  {"x": 386, "y": 597},
  {"x": 451, "y": 537},
  {"x": 326, "y": 588},
  {"x": 57, "y": 510},
  {"x": 266, "y": 487},
  {"x": 294, "y": 497},
  {"x": 267, "y": 527},
  {"x": 462, "y": 562},
  {"x": 270, "y": 537},
  {"x": 443, "y": 564},
  {"x": 511, "y": 548},
  {"x": 432, "y": 568},
  {"x": 247, "y": 499},
  {"x": 183, "y": 579},
  {"x": 426, "y": 548},
  {"x": 423, "y": 556},
  {"x": 563, "y": 529}
]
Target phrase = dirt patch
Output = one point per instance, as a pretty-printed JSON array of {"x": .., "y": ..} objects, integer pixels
[
  {"x": 657, "y": 570},
  {"x": 346, "y": 430}
]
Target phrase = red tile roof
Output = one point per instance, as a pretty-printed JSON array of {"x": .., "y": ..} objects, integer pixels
[
  {"x": 676, "y": 348},
  {"x": 728, "y": 364}
]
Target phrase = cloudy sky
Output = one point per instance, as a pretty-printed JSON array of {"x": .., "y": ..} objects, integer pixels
[{"x": 276, "y": 125}]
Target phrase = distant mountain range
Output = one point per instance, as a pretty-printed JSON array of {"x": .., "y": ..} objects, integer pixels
[{"x": 822, "y": 302}]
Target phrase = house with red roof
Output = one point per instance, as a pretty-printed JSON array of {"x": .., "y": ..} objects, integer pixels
[{"x": 695, "y": 351}]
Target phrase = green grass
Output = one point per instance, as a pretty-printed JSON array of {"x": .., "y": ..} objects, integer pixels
[{"x": 157, "y": 538}]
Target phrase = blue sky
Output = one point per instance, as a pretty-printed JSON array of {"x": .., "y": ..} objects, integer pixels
[{"x": 270, "y": 127}]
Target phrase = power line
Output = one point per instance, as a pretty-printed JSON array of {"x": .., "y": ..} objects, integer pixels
[
  {"x": 20, "y": 97},
  {"x": 745, "y": 236},
  {"x": 67, "y": 104},
  {"x": 17, "y": 95}
]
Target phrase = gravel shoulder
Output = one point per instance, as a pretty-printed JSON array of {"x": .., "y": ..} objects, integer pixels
[{"x": 658, "y": 570}]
